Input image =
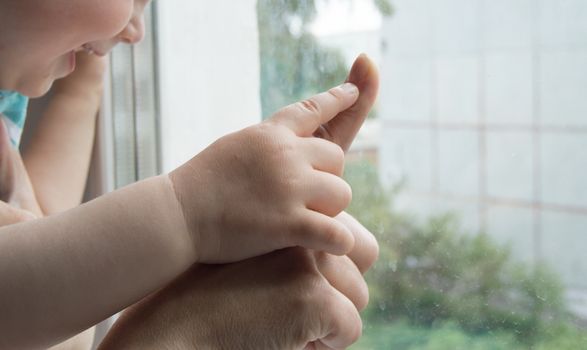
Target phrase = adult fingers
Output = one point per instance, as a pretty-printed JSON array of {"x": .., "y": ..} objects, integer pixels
[
  {"x": 342, "y": 325},
  {"x": 342, "y": 273},
  {"x": 344, "y": 127},
  {"x": 305, "y": 117},
  {"x": 366, "y": 248},
  {"x": 324, "y": 155},
  {"x": 320, "y": 232}
]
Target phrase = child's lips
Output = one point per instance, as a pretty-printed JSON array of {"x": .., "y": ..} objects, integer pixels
[
  {"x": 88, "y": 49},
  {"x": 92, "y": 51}
]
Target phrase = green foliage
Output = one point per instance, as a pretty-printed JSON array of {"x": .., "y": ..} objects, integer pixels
[
  {"x": 432, "y": 273},
  {"x": 402, "y": 335},
  {"x": 565, "y": 336},
  {"x": 384, "y": 7},
  {"x": 293, "y": 64}
]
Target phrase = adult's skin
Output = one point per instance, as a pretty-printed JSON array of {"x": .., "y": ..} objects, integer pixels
[{"x": 289, "y": 299}]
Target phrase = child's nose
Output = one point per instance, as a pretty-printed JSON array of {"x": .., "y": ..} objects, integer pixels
[{"x": 133, "y": 32}]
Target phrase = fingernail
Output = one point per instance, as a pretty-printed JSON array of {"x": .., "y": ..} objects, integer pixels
[{"x": 349, "y": 88}]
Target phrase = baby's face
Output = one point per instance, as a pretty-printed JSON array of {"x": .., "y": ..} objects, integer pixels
[{"x": 40, "y": 37}]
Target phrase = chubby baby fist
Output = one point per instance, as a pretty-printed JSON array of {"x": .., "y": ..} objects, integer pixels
[{"x": 270, "y": 186}]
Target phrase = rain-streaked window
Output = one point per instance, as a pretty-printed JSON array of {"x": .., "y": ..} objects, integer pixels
[
  {"x": 470, "y": 170},
  {"x": 132, "y": 102}
]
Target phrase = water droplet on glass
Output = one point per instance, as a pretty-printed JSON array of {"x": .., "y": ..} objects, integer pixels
[{"x": 382, "y": 306}]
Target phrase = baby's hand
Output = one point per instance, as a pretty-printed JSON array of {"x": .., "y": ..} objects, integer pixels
[{"x": 272, "y": 177}]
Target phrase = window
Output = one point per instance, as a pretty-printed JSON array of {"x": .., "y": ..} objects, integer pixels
[
  {"x": 469, "y": 170},
  {"x": 134, "y": 107},
  {"x": 477, "y": 146}
]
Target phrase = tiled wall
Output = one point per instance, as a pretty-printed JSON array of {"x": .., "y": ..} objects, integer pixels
[{"x": 484, "y": 112}]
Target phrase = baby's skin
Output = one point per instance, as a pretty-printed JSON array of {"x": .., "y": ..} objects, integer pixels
[
  {"x": 87, "y": 263},
  {"x": 289, "y": 299},
  {"x": 71, "y": 268}
]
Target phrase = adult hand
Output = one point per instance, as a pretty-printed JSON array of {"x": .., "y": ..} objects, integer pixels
[
  {"x": 289, "y": 299},
  {"x": 273, "y": 185}
]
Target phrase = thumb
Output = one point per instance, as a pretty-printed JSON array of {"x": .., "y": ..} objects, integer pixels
[
  {"x": 305, "y": 117},
  {"x": 343, "y": 128}
]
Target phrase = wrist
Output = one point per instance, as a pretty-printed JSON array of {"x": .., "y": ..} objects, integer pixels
[
  {"x": 150, "y": 208},
  {"x": 172, "y": 211},
  {"x": 194, "y": 207}
]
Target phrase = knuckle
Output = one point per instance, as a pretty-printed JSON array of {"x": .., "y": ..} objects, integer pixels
[
  {"x": 311, "y": 294},
  {"x": 327, "y": 299},
  {"x": 305, "y": 263},
  {"x": 273, "y": 141},
  {"x": 290, "y": 186},
  {"x": 311, "y": 107},
  {"x": 301, "y": 226},
  {"x": 337, "y": 93},
  {"x": 322, "y": 258},
  {"x": 263, "y": 132}
]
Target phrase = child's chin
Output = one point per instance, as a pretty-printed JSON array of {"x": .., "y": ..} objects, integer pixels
[{"x": 37, "y": 90}]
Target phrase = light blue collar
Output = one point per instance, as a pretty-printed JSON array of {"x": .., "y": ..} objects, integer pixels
[{"x": 13, "y": 107}]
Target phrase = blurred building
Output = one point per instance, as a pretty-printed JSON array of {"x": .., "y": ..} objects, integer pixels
[{"x": 484, "y": 113}]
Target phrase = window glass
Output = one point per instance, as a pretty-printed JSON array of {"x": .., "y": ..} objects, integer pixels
[
  {"x": 209, "y": 73},
  {"x": 470, "y": 170},
  {"x": 134, "y": 108}
]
